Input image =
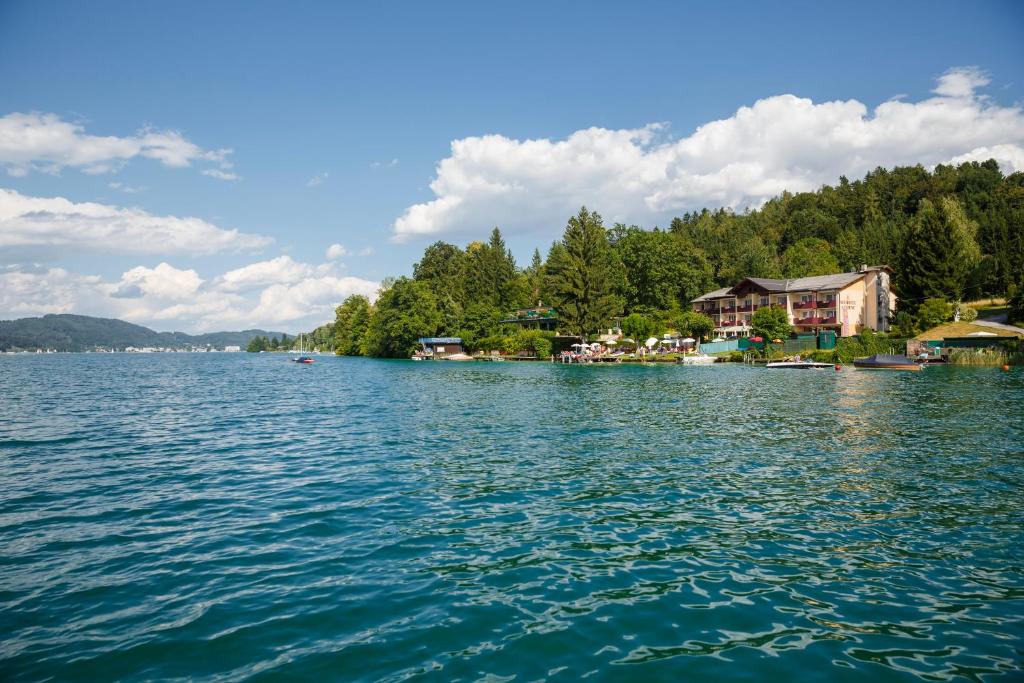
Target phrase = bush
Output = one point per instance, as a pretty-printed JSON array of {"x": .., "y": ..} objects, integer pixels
[
  {"x": 529, "y": 342},
  {"x": 487, "y": 344},
  {"x": 934, "y": 312},
  {"x": 825, "y": 356},
  {"x": 904, "y": 325},
  {"x": 1016, "y": 312},
  {"x": 968, "y": 314}
]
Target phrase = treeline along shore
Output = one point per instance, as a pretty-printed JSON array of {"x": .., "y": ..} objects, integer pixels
[{"x": 951, "y": 234}]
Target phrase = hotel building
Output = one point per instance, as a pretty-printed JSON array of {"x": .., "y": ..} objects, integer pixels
[{"x": 845, "y": 303}]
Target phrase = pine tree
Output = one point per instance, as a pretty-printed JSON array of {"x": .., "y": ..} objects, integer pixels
[
  {"x": 939, "y": 253},
  {"x": 580, "y": 275}
]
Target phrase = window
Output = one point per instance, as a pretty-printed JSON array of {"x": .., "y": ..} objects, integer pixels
[
  {"x": 805, "y": 298},
  {"x": 764, "y": 301},
  {"x": 781, "y": 301}
]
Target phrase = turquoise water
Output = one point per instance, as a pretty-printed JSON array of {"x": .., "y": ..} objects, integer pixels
[{"x": 235, "y": 517}]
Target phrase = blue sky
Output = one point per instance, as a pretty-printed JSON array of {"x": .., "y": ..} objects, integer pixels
[{"x": 337, "y": 117}]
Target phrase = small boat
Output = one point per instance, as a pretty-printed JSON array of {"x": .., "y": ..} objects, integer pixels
[
  {"x": 302, "y": 359},
  {"x": 702, "y": 359},
  {"x": 799, "y": 365},
  {"x": 885, "y": 361},
  {"x": 458, "y": 357}
]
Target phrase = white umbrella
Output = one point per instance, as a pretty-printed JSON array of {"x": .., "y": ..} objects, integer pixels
[
  {"x": 651, "y": 342},
  {"x": 611, "y": 342},
  {"x": 631, "y": 341},
  {"x": 689, "y": 340}
]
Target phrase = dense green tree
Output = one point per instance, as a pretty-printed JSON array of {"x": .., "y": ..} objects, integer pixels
[
  {"x": 810, "y": 256},
  {"x": 938, "y": 255},
  {"x": 404, "y": 313},
  {"x": 257, "y": 344},
  {"x": 580, "y": 275},
  {"x": 934, "y": 311},
  {"x": 535, "y": 278},
  {"x": 770, "y": 322},
  {"x": 661, "y": 269},
  {"x": 490, "y": 271},
  {"x": 1015, "y": 314},
  {"x": 638, "y": 327},
  {"x": 694, "y": 324},
  {"x": 352, "y": 319}
]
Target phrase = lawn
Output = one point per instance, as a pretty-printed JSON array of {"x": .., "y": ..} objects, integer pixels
[{"x": 960, "y": 330}]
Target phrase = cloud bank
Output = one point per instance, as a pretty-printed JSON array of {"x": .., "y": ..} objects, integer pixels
[
  {"x": 49, "y": 144},
  {"x": 778, "y": 143},
  {"x": 279, "y": 293},
  {"x": 56, "y": 223}
]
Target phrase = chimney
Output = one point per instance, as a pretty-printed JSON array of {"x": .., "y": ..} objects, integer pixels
[{"x": 864, "y": 268}]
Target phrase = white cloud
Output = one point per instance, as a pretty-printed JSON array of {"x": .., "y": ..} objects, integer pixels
[
  {"x": 365, "y": 251},
  {"x": 127, "y": 189},
  {"x": 384, "y": 164},
  {"x": 961, "y": 82},
  {"x": 778, "y": 143},
  {"x": 279, "y": 293},
  {"x": 318, "y": 179},
  {"x": 335, "y": 252},
  {"x": 1008, "y": 156},
  {"x": 280, "y": 270},
  {"x": 320, "y": 295},
  {"x": 46, "y": 143},
  {"x": 219, "y": 174},
  {"x": 55, "y": 223}
]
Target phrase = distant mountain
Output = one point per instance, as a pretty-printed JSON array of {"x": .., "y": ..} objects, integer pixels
[{"x": 85, "y": 333}]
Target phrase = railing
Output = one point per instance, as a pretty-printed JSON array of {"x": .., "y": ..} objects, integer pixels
[
  {"x": 807, "y": 321},
  {"x": 728, "y": 309},
  {"x": 747, "y": 308},
  {"x": 831, "y": 320},
  {"x": 826, "y": 304},
  {"x": 728, "y": 323},
  {"x": 805, "y": 304}
]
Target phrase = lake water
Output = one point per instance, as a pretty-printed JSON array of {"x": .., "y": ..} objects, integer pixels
[{"x": 235, "y": 516}]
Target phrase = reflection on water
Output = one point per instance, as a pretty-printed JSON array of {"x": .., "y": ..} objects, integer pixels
[{"x": 234, "y": 516}]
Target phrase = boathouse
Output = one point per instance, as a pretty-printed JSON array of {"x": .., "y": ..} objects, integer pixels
[{"x": 440, "y": 347}]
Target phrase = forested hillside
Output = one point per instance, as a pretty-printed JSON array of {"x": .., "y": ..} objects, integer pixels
[
  {"x": 955, "y": 233},
  {"x": 83, "y": 333}
]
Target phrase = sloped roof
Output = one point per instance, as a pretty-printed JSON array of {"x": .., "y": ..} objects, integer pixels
[
  {"x": 822, "y": 281},
  {"x": 717, "y": 294}
]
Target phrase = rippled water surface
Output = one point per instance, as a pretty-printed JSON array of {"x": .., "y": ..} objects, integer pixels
[{"x": 229, "y": 516}]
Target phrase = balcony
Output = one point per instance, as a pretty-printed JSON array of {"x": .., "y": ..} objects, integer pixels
[
  {"x": 805, "y": 304},
  {"x": 729, "y": 323},
  {"x": 812, "y": 320},
  {"x": 747, "y": 308},
  {"x": 831, "y": 320},
  {"x": 728, "y": 309},
  {"x": 826, "y": 304}
]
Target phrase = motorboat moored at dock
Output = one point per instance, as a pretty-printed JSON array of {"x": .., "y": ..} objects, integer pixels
[{"x": 885, "y": 361}]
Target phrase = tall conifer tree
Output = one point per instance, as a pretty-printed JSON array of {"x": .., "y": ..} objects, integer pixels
[{"x": 580, "y": 270}]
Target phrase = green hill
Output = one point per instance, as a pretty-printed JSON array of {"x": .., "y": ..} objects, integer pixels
[{"x": 83, "y": 333}]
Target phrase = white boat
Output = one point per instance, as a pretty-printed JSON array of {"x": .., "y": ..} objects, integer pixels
[
  {"x": 799, "y": 365},
  {"x": 457, "y": 357},
  {"x": 702, "y": 359}
]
